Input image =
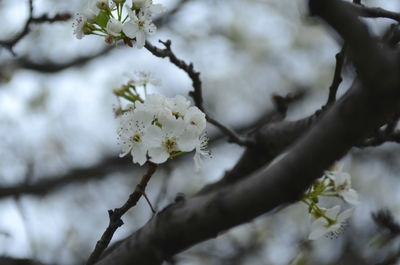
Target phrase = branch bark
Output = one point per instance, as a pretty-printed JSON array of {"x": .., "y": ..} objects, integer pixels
[{"x": 368, "y": 105}]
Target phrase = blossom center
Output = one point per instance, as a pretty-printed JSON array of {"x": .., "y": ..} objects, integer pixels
[
  {"x": 136, "y": 138},
  {"x": 170, "y": 145}
]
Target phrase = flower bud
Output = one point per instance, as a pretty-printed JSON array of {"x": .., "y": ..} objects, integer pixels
[
  {"x": 102, "y": 4},
  {"x": 109, "y": 39}
]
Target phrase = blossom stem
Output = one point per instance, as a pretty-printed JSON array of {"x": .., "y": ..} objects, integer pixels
[
  {"x": 176, "y": 154},
  {"x": 119, "y": 11},
  {"x": 126, "y": 17}
]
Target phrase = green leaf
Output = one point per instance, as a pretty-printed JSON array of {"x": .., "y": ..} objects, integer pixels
[{"x": 102, "y": 18}]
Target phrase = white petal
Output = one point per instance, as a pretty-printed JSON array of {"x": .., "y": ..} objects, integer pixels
[
  {"x": 155, "y": 99},
  {"x": 187, "y": 142},
  {"x": 345, "y": 215},
  {"x": 198, "y": 161},
  {"x": 332, "y": 213},
  {"x": 171, "y": 126},
  {"x": 350, "y": 196},
  {"x": 178, "y": 104},
  {"x": 130, "y": 29},
  {"x": 151, "y": 29},
  {"x": 125, "y": 150},
  {"x": 140, "y": 39},
  {"x": 131, "y": 14},
  {"x": 157, "y": 8},
  {"x": 195, "y": 120},
  {"x": 138, "y": 153},
  {"x": 114, "y": 27},
  {"x": 153, "y": 136},
  {"x": 158, "y": 155},
  {"x": 318, "y": 229}
]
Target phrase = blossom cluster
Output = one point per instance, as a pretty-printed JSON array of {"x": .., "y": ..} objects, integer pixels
[
  {"x": 159, "y": 128},
  {"x": 330, "y": 221},
  {"x": 107, "y": 19}
]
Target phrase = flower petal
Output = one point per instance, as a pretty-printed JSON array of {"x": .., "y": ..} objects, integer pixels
[
  {"x": 139, "y": 153},
  {"x": 158, "y": 155},
  {"x": 318, "y": 229},
  {"x": 140, "y": 39},
  {"x": 130, "y": 29}
]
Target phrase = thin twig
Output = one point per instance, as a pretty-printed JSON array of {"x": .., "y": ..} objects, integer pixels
[
  {"x": 232, "y": 135},
  {"x": 375, "y": 12},
  {"x": 188, "y": 68},
  {"x": 116, "y": 214},
  {"x": 9, "y": 44},
  {"x": 196, "y": 94}
]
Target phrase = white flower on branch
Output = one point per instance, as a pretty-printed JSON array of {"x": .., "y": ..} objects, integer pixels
[
  {"x": 330, "y": 223},
  {"x": 138, "y": 27},
  {"x": 342, "y": 182},
  {"x": 143, "y": 79},
  {"x": 161, "y": 128},
  {"x": 148, "y": 6},
  {"x": 133, "y": 125},
  {"x": 77, "y": 25},
  {"x": 114, "y": 27}
]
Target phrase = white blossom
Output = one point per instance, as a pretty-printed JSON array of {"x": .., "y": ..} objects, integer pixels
[
  {"x": 143, "y": 78},
  {"x": 342, "y": 182},
  {"x": 132, "y": 128},
  {"x": 138, "y": 27},
  {"x": 201, "y": 151},
  {"x": 77, "y": 25},
  {"x": 178, "y": 105},
  {"x": 114, "y": 27},
  {"x": 163, "y": 141},
  {"x": 160, "y": 128},
  {"x": 195, "y": 120},
  {"x": 91, "y": 11},
  {"x": 331, "y": 223},
  {"x": 148, "y": 6}
]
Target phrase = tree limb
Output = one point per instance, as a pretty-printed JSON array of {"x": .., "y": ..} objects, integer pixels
[
  {"x": 52, "y": 183},
  {"x": 360, "y": 111}
]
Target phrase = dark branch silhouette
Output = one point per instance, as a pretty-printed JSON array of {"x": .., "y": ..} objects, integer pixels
[{"x": 350, "y": 119}]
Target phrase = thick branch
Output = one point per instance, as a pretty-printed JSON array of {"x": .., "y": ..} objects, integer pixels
[{"x": 360, "y": 111}]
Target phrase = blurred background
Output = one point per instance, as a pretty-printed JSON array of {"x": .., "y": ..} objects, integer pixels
[{"x": 57, "y": 123}]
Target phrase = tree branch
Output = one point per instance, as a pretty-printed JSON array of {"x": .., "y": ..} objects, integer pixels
[
  {"x": 116, "y": 214},
  {"x": 351, "y": 118},
  {"x": 196, "y": 94},
  {"x": 52, "y": 183},
  {"x": 375, "y": 12},
  {"x": 337, "y": 78},
  {"x": 9, "y": 44}
]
